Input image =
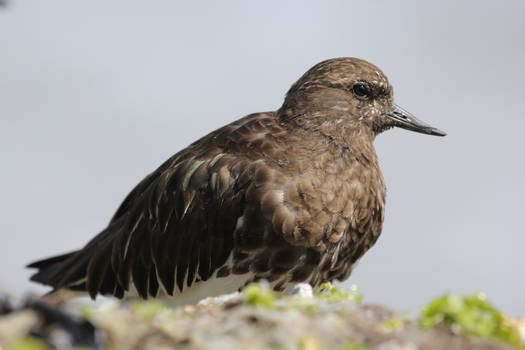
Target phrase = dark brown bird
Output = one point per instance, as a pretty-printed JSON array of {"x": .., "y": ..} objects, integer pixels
[{"x": 290, "y": 196}]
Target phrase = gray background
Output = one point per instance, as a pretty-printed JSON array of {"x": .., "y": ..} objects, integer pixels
[{"x": 95, "y": 94}]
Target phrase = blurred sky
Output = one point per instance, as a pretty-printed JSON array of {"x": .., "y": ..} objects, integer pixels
[{"x": 96, "y": 94}]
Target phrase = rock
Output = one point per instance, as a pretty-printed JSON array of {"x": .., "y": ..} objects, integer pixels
[{"x": 334, "y": 321}]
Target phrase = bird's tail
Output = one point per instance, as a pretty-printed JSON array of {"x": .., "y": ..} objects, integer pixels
[{"x": 61, "y": 271}]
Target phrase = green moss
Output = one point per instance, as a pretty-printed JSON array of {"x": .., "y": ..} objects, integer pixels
[
  {"x": 148, "y": 309},
  {"x": 332, "y": 293},
  {"x": 257, "y": 294},
  {"x": 471, "y": 314},
  {"x": 27, "y": 343}
]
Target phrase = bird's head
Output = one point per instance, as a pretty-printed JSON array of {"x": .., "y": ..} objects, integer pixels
[{"x": 348, "y": 93}]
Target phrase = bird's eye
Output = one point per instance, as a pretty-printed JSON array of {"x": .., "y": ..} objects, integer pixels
[{"x": 361, "y": 91}]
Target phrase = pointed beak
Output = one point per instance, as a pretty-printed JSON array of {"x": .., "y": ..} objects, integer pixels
[{"x": 405, "y": 120}]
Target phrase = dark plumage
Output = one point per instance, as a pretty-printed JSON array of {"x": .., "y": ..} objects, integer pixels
[{"x": 290, "y": 196}]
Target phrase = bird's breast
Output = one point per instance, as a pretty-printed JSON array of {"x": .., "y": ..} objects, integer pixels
[
  {"x": 332, "y": 199},
  {"x": 311, "y": 225}
]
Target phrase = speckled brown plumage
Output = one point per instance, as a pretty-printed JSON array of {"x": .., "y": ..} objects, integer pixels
[{"x": 290, "y": 196}]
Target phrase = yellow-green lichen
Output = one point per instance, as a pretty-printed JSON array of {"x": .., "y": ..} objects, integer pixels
[
  {"x": 27, "y": 343},
  {"x": 310, "y": 343},
  {"x": 257, "y": 294},
  {"x": 85, "y": 311},
  {"x": 472, "y": 315},
  {"x": 332, "y": 293},
  {"x": 302, "y": 303},
  {"x": 351, "y": 346},
  {"x": 393, "y": 324},
  {"x": 147, "y": 310}
]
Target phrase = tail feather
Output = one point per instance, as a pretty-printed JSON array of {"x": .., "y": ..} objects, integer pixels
[
  {"x": 40, "y": 264},
  {"x": 72, "y": 270},
  {"x": 56, "y": 271}
]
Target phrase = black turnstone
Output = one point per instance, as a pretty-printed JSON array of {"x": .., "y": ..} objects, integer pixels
[{"x": 289, "y": 196}]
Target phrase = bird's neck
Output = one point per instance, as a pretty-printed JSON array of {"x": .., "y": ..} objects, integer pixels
[
  {"x": 333, "y": 143},
  {"x": 323, "y": 130}
]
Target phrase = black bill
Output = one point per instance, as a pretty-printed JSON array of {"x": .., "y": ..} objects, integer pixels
[{"x": 406, "y": 120}]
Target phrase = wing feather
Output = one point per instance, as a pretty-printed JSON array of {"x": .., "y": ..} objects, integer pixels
[{"x": 178, "y": 225}]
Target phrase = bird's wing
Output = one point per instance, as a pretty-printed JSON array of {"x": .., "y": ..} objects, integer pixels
[
  {"x": 179, "y": 230},
  {"x": 176, "y": 226}
]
